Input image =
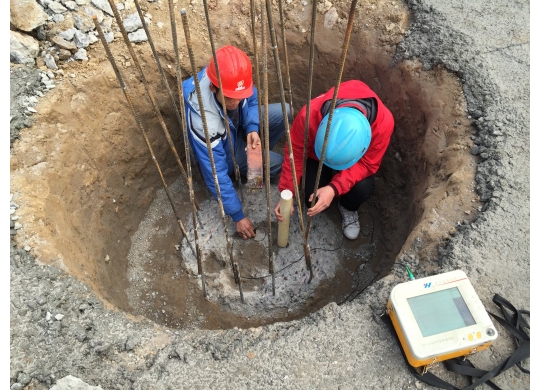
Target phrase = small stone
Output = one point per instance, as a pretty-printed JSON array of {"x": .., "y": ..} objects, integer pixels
[
  {"x": 475, "y": 150},
  {"x": 56, "y": 7},
  {"x": 48, "y": 316},
  {"x": 330, "y": 18},
  {"x": 120, "y": 6},
  {"x": 58, "y": 18},
  {"x": 27, "y": 248},
  {"x": 102, "y": 349},
  {"x": 49, "y": 61},
  {"x": 103, "y": 5},
  {"x": 107, "y": 258},
  {"x": 16, "y": 386},
  {"x": 71, "y": 5},
  {"x": 132, "y": 22},
  {"x": 81, "y": 56},
  {"x": 15, "y": 217},
  {"x": 62, "y": 43},
  {"x": 106, "y": 24},
  {"x": 81, "y": 40},
  {"x": 17, "y": 226},
  {"x": 59, "y": 317},
  {"x": 67, "y": 34},
  {"x": 71, "y": 382},
  {"x": 92, "y": 38},
  {"x": 138, "y": 36},
  {"x": 130, "y": 344},
  {"x": 83, "y": 23},
  {"x": 64, "y": 54},
  {"x": 91, "y": 12},
  {"x": 109, "y": 37}
]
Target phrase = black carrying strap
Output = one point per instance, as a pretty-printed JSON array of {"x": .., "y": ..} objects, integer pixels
[{"x": 514, "y": 323}]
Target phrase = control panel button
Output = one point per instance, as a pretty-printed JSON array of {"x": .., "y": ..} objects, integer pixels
[
  {"x": 471, "y": 337},
  {"x": 478, "y": 334}
]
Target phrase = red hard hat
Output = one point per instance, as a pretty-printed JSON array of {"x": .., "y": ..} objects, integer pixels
[{"x": 235, "y": 71}]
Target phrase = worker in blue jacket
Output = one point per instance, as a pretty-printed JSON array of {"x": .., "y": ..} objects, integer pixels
[{"x": 241, "y": 104}]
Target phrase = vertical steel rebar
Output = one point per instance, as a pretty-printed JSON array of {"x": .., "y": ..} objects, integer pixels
[
  {"x": 139, "y": 124},
  {"x": 160, "y": 68},
  {"x": 267, "y": 150},
  {"x": 257, "y": 75},
  {"x": 238, "y": 281},
  {"x": 284, "y": 110},
  {"x": 148, "y": 92},
  {"x": 285, "y": 56},
  {"x": 331, "y": 112},
  {"x": 310, "y": 85},
  {"x": 207, "y": 137},
  {"x": 186, "y": 144},
  {"x": 225, "y": 115}
]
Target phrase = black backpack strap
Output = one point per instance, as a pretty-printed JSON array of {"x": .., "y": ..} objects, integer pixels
[
  {"x": 465, "y": 367},
  {"x": 517, "y": 322}
]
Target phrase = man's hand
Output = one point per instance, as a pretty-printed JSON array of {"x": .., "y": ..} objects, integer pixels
[
  {"x": 324, "y": 198},
  {"x": 245, "y": 229},
  {"x": 253, "y": 140},
  {"x": 277, "y": 211}
]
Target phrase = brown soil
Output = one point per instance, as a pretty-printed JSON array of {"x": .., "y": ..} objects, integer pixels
[{"x": 84, "y": 180}]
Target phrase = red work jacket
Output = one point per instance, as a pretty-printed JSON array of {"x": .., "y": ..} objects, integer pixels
[{"x": 381, "y": 130}]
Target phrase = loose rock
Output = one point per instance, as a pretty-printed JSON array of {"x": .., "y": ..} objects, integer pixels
[
  {"x": 56, "y": 7},
  {"x": 138, "y": 36},
  {"x": 49, "y": 61},
  {"x": 26, "y": 15},
  {"x": 67, "y": 35},
  {"x": 23, "y": 49},
  {"x": 72, "y": 383},
  {"x": 81, "y": 40},
  {"x": 80, "y": 55},
  {"x": 103, "y": 5}
]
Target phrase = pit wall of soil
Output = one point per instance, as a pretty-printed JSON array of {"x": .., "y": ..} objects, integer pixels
[{"x": 84, "y": 178}]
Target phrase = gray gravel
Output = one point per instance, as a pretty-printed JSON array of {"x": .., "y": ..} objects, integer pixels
[{"x": 59, "y": 329}]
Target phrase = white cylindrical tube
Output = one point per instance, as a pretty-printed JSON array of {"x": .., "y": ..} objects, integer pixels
[{"x": 285, "y": 209}]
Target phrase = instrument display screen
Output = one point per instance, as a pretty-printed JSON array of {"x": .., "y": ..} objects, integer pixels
[{"x": 440, "y": 312}]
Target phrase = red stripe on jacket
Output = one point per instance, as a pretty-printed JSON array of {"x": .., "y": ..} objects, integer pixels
[{"x": 343, "y": 181}]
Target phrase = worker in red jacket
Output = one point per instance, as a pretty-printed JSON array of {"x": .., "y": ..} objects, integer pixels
[{"x": 359, "y": 136}]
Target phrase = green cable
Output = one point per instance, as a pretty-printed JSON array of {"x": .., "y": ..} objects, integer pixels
[{"x": 411, "y": 276}]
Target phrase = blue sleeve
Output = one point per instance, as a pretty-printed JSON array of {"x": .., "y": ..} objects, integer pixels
[
  {"x": 231, "y": 203},
  {"x": 251, "y": 118}
]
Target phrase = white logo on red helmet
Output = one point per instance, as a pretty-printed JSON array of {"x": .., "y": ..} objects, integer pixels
[{"x": 240, "y": 85}]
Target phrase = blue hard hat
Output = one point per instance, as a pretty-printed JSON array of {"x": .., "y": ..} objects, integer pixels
[{"x": 349, "y": 138}]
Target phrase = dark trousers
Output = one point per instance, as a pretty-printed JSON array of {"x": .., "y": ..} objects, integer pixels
[{"x": 352, "y": 200}]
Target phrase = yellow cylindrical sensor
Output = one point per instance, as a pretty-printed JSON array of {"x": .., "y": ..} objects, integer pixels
[{"x": 283, "y": 227}]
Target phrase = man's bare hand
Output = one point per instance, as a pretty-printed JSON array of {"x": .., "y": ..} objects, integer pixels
[
  {"x": 277, "y": 211},
  {"x": 245, "y": 229},
  {"x": 325, "y": 195},
  {"x": 253, "y": 140}
]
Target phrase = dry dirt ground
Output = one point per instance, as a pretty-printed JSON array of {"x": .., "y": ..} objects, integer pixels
[{"x": 91, "y": 204}]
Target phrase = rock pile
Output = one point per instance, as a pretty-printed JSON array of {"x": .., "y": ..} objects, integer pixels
[{"x": 48, "y": 33}]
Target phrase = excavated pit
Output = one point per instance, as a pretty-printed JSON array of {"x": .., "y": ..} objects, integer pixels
[{"x": 92, "y": 202}]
